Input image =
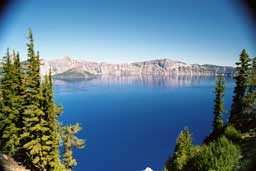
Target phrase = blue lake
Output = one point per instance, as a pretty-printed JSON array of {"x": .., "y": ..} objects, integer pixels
[{"x": 131, "y": 123}]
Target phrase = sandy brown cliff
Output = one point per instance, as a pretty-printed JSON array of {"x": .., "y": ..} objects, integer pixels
[{"x": 67, "y": 66}]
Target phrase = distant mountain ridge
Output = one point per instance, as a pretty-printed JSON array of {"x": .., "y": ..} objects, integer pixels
[{"x": 70, "y": 68}]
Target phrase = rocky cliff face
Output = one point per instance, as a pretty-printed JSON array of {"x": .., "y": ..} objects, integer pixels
[{"x": 67, "y": 67}]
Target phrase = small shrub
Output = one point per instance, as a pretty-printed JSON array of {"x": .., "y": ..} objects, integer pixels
[
  {"x": 181, "y": 153},
  {"x": 220, "y": 155},
  {"x": 232, "y": 134}
]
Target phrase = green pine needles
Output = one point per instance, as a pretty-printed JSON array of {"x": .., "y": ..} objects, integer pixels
[
  {"x": 29, "y": 130},
  {"x": 10, "y": 105},
  {"x": 181, "y": 153},
  {"x": 221, "y": 150},
  {"x": 241, "y": 79},
  {"x": 71, "y": 141},
  {"x": 219, "y": 104}
]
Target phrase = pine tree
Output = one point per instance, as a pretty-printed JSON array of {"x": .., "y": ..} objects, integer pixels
[
  {"x": 19, "y": 91},
  {"x": 181, "y": 153},
  {"x": 29, "y": 130},
  {"x": 240, "y": 89},
  {"x": 5, "y": 81},
  {"x": 219, "y": 104},
  {"x": 252, "y": 77},
  {"x": 10, "y": 134},
  {"x": 35, "y": 133},
  {"x": 249, "y": 101},
  {"x": 51, "y": 114},
  {"x": 71, "y": 141}
]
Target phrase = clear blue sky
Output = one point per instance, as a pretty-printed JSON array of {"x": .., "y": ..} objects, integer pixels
[{"x": 193, "y": 31}]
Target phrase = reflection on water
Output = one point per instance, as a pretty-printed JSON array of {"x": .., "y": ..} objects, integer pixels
[
  {"x": 138, "y": 118},
  {"x": 78, "y": 85}
]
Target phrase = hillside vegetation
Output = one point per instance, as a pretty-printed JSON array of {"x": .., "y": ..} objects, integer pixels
[
  {"x": 231, "y": 146},
  {"x": 29, "y": 130}
]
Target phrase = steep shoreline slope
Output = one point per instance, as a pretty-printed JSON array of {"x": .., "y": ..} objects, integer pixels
[{"x": 68, "y": 67}]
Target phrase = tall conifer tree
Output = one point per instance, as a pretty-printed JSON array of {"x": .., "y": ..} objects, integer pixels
[
  {"x": 4, "y": 92},
  {"x": 29, "y": 130},
  {"x": 51, "y": 114},
  {"x": 19, "y": 91},
  {"x": 249, "y": 107},
  {"x": 240, "y": 89},
  {"x": 35, "y": 133},
  {"x": 10, "y": 131},
  {"x": 219, "y": 104}
]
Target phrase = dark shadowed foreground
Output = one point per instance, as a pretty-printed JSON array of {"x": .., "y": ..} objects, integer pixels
[{"x": 8, "y": 164}]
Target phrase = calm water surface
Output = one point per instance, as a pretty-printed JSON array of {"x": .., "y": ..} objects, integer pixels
[{"x": 131, "y": 123}]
